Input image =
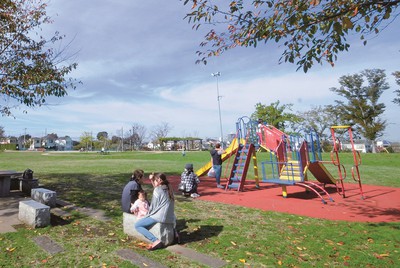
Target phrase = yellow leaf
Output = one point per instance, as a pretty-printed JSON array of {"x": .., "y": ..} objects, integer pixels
[
  {"x": 279, "y": 262},
  {"x": 299, "y": 248},
  {"x": 233, "y": 243},
  {"x": 10, "y": 249},
  {"x": 242, "y": 260},
  {"x": 111, "y": 234},
  {"x": 329, "y": 241},
  {"x": 384, "y": 255}
]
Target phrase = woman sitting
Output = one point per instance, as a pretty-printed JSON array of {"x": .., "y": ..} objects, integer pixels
[{"x": 161, "y": 210}]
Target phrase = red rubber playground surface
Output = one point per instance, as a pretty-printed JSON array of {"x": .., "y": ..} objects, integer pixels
[{"x": 381, "y": 204}]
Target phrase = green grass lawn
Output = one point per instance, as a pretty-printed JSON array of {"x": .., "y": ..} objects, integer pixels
[{"x": 243, "y": 237}]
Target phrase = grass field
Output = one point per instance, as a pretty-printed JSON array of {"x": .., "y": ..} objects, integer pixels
[{"x": 243, "y": 237}]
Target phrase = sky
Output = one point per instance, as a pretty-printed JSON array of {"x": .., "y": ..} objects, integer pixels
[{"x": 136, "y": 62}]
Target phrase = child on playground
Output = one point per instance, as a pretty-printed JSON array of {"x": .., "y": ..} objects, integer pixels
[
  {"x": 189, "y": 181},
  {"x": 141, "y": 206}
]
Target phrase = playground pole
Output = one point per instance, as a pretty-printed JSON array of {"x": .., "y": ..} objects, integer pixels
[{"x": 216, "y": 75}]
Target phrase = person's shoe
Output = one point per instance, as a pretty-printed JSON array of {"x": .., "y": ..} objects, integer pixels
[
  {"x": 220, "y": 186},
  {"x": 194, "y": 195},
  {"x": 159, "y": 245}
]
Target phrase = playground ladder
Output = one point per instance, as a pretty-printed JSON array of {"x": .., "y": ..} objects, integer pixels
[
  {"x": 355, "y": 172},
  {"x": 240, "y": 166}
]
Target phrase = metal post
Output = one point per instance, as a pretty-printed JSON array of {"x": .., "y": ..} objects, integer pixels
[{"x": 216, "y": 75}]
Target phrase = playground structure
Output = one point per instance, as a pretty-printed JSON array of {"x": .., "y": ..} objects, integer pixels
[{"x": 291, "y": 159}]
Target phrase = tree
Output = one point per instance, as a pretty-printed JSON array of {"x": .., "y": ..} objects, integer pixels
[
  {"x": 275, "y": 114},
  {"x": 161, "y": 131},
  {"x": 31, "y": 70},
  {"x": 397, "y": 91},
  {"x": 311, "y": 31},
  {"x": 1, "y": 132},
  {"x": 319, "y": 119},
  {"x": 102, "y": 136},
  {"x": 86, "y": 140},
  {"x": 138, "y": 135},
  {"x": 362, "y": 109}
]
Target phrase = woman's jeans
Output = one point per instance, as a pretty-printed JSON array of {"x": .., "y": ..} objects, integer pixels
[
  {"x": 218, "y": 171},
  {"x": 143, "y": 225}
]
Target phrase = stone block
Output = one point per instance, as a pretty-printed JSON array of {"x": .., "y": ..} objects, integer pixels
[
  {"x": 44, "y": 196},
  {"x": 34, "y": 214},
  {"x": 163, "y": 231}
]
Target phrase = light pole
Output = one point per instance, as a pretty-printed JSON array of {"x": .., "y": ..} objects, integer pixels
[{"x": 216, "y": 75}]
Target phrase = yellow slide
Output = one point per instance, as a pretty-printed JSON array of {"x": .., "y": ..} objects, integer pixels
[{"x": 232, "y": 149}]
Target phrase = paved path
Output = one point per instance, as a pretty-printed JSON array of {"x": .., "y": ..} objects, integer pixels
[{"x": 9, "y": 211}]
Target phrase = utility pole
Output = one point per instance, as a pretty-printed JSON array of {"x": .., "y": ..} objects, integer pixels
[{"x": 216, "y": 75}]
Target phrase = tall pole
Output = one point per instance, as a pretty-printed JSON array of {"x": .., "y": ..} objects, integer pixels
[{"x": 216, "y": 75}]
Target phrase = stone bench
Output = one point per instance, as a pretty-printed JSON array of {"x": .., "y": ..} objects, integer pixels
[
  {"x": 44, "y": 196},
  {"x": 34, "y": 214},
  {"x": 163, "y": 231}
]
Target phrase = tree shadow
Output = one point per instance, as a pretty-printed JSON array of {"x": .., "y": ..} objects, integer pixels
[{"x": 201, "y": 233}]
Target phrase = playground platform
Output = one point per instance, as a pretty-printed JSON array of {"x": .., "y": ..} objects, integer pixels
[{"x": 381, "y": 204}]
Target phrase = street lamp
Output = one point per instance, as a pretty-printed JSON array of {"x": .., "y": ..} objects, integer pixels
[{"x": 216, "y": 75}]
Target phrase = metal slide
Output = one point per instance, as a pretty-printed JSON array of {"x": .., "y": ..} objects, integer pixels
[{"x": 320, "y": 173}]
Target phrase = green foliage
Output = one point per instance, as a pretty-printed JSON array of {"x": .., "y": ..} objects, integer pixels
[
  {"x": 7, "y": 147},
  {"x": 30, "y": 69},
  {"x": 310, "y": 31},
  {"x": 397, "y": 91},
  {"x": 361, "y": 107},
  {"x": 275, "y": 114},
  {"x": 318, "y": 119}
]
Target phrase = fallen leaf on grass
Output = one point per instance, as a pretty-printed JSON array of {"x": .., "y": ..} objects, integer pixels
[
  {"x": 10, "y": 249},
  {"x": 381, "y": 256},
  {"x": 330, "y": 242},
  {"x": 242, "y": 260},
  {"x": 233, "y": 243}
]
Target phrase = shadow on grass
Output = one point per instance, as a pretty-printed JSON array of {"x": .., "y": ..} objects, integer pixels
[
  {"x": 87, "y": 190},
  {"x": 199, "y": 234}
]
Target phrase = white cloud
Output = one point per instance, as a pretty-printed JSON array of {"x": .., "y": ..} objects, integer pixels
[{"x": 136, "y": 62}]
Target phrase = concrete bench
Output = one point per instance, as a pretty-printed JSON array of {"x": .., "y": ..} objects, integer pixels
[
  {"x": 163, "y": 231},
  {"x": 44, "y": 196},
  {"x": 34, "y": 214}
]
